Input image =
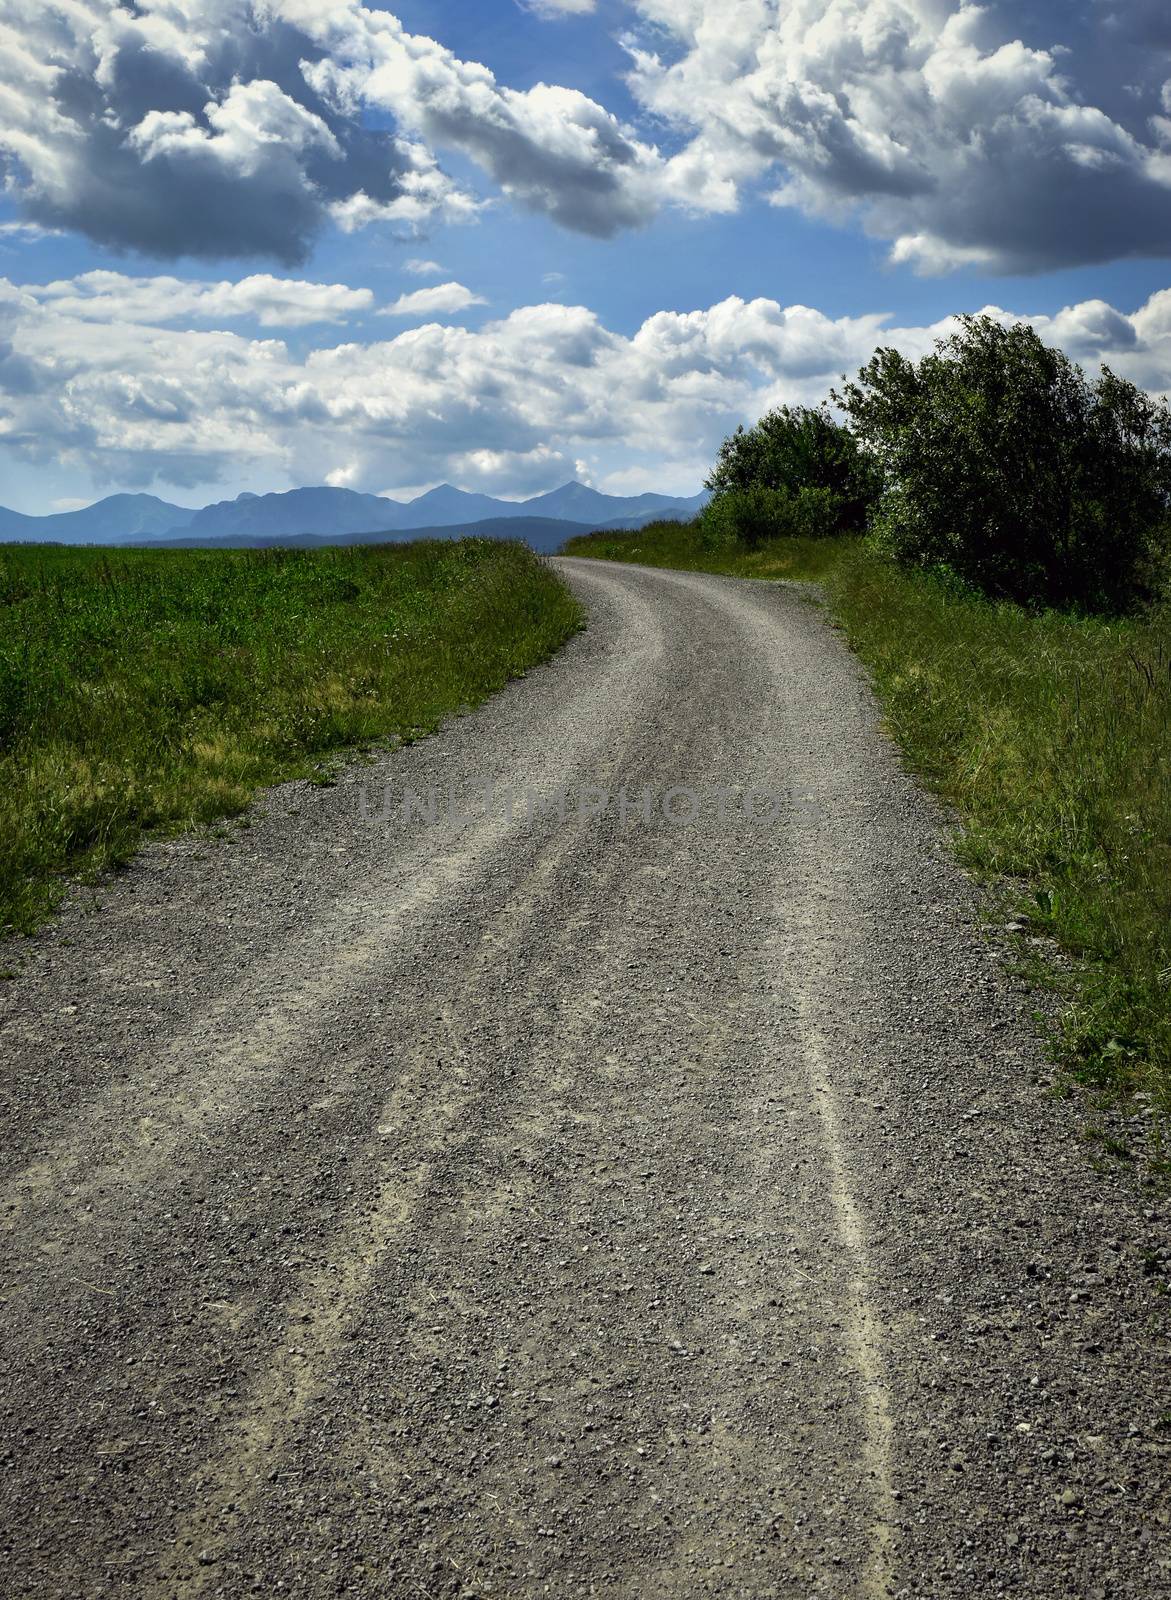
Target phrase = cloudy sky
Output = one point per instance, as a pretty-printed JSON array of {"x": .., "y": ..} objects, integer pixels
[{"x": 252, "y": 244}]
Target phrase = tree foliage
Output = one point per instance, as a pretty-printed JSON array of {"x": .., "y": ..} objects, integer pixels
[
  {"x": 801, "y": 455},
  {"x": 756, "y": 514},
  {"x": 1004, "y": 463}
]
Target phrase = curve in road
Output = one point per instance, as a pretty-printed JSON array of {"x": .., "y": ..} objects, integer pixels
[{"x": 569, "y": 1197}]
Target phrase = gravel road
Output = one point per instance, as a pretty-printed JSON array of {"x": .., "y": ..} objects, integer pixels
[{"x": 566, "y": 1203}]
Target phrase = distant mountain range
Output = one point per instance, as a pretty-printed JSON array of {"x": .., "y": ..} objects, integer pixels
[
  {"x": 117, "y": 520},
  {"x": 545, "y": 534},
  {"x": 332, "y": 516}
]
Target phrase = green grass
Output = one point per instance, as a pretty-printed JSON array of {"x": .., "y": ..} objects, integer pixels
[
  {"x": 680, "y": 544},
  {"x": 158, "y": 690},
  {"x": 1050, "y": 735}
]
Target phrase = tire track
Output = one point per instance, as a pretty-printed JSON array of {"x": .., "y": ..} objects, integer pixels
[{"x": 595, "y": 1208}]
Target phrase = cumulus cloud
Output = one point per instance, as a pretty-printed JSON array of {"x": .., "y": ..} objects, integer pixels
[
  {"x": 515, "y": 406},
  {"x": 187, "y": 127},
  {"x": 981, "y": 136},
  {"x": 272, "y": 302},
  {"x": 241, "y": 127},
  {"x": 443, "y": 299},
  {"x": 551, "y": 149},
  {"x": 425, "y": 195},
  {"x": 936, "y": 123},
  {"x": 420, "y": 268}
]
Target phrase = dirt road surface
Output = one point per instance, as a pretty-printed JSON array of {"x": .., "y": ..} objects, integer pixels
[{"x": 571, "y": 1204}]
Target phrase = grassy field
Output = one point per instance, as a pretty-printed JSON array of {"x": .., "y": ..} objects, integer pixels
[
  {"x": 160, "y": 689},
  {"x": 1051, "y": 737},
  {"x": 678, "y": 544}
]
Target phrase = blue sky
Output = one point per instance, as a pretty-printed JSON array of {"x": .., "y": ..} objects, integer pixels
[{"x": 631, "y": 223}]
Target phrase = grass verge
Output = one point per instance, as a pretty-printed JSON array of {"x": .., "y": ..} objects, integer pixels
[
  {"x": 679, "y": 544},
  {"x": 160, "y": 689},
  {"x": 1050, "y": 736}
]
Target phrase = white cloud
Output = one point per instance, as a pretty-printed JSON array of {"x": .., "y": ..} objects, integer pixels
[
  {"x": 426, "y": 196},
  {"x": 516, "y": 405},
  {"x": 931, "y": 257},
  {"x": 419, "y": 268},
  {"x": 551, "y": 149},
  {"x": 443, "y": 299},
  {"x": 272, "y": 302},
  {"x": 965, "y": 135},
  {"x": 932, "y": 122},
  {"x": 242, "y": 131},
  {"x": 26, "y": 230},
  {"x": 187, "y": 127},
  {"x": 560, "y": 8}
]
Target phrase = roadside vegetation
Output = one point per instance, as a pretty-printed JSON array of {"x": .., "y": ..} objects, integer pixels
[
  {"x": 1006, "y": 583},
  {"x": 691, "y": 547},
  {"x": 1051, "y": 736},
  {"x": 160, "y": 689}
]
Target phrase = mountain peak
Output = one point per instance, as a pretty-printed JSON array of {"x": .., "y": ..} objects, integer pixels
[
  {"x": 322, "y": 512},
  {"x": 440, "y": 491}
]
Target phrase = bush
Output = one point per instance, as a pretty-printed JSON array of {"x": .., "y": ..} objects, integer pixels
[
  {"x": 1004, "y": 464},
  {"x": 753, "y": 515},
  {"x": 793, "y": 450}
]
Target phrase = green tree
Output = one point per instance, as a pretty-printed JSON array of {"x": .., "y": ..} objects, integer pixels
[
  {"x": 796, "y": 449},
  {"x": 757, "y": 514},
  {"x": 1003, "y": 462}
]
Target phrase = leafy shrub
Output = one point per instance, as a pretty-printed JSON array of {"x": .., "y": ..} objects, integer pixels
[
  {"x": 755, "y": 514},
  {"x": 1006, "y": 465},
  {"x": 793, "y": 450}
]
